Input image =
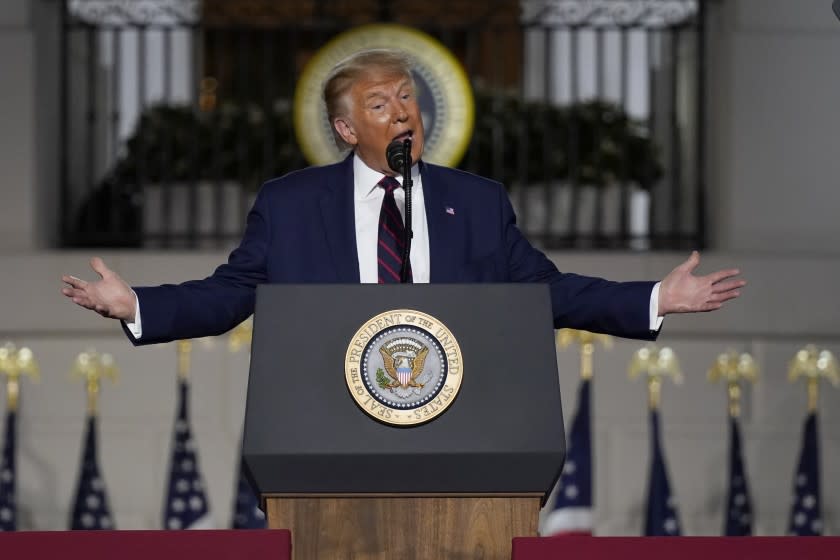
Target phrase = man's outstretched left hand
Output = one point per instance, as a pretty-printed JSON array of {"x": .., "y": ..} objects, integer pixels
[{"x": 682, "y": 292}]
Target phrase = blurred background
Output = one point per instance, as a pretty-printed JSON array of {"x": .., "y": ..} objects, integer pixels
[{"x": 627, "y": 132}]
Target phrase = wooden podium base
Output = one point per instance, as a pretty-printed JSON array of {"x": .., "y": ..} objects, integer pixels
[{"x": 408, "y": 528}]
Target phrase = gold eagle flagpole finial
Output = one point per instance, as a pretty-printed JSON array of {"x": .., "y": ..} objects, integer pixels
[
  {"x": 655, "y": 363},
  {"x": 15, "y": 362},
  {"x": 734, "y": 368},
  {"x": 812, "y": 364},
  {"x": 91, "y": 366},
  {"x": 587, "y": 341},
  {"x": 241, "y": 335}
]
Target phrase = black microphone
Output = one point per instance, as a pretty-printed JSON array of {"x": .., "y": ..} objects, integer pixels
[
  {"x": 398, "y": 154},
  {"x": 836, "y": 7}
]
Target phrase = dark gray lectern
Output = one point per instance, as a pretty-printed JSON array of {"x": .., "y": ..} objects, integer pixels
[{"x": 348, "y": 486}]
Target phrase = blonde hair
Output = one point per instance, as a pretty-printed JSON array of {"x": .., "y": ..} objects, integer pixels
[{"x": 381, "y": 62}]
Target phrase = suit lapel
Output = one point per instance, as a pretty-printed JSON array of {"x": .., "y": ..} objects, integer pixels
[
  {"x": 445, "y": 232},
  {"x": 339, "y": 222}
]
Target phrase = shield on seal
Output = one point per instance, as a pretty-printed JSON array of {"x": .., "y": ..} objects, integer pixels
[{"x": 403, "y": 370}]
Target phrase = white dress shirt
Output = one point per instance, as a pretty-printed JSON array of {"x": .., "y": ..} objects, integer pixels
[{"x": 367, "y": 203}]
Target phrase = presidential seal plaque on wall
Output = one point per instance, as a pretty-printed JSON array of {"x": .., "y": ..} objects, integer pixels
[
  {"x": 403, "y": 367},
  {"x": 443, "y": 92}
]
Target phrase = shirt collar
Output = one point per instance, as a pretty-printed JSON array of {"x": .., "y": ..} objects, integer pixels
[{"x": 365, "y": 179}]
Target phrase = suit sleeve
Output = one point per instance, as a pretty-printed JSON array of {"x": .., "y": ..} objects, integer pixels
[
  {"x": 217, "y": 303},
  {"x": 578, "y": 302}
]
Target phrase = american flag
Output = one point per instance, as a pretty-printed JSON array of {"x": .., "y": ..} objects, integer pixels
[
  {"x": 90, "y": 509},
  {"x": 186, "y": 503},
  {"x": 738, "y": 513},
  {"x": 662, "y": 518},
  {"x": 246, "y": 512},
  {"x": 572, "y": 513},
  {"x": 805, "y": 517},
  {"x": 8, "y": 510}
]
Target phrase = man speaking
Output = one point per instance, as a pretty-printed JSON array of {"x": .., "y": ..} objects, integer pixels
[{"x": 344, "y": 223}]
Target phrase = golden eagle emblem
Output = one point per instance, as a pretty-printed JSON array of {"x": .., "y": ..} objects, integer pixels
[{"x": 403, "y": 360}]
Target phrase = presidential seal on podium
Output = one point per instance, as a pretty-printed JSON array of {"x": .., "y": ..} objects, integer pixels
[{"x": 403, "y": 367}]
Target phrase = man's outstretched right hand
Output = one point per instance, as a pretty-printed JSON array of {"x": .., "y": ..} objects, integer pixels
[{"x": 109, "y": 296}]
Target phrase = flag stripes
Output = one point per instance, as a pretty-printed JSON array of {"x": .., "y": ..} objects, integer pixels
[{"x": 572, "y": 513}]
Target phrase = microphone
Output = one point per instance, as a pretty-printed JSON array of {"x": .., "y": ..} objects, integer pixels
[{"x": 398, "y": 154}]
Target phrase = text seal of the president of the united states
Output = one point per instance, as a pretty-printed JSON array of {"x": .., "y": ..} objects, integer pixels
[{"x": 403, "y": 367}]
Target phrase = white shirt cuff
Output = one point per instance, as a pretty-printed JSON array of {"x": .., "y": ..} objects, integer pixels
[
  {"x": 136, "y": 328},
  {"x": 655, "y": 319}
]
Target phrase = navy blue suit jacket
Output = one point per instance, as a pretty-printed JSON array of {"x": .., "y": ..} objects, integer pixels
[{"x": 302, "y": 230}]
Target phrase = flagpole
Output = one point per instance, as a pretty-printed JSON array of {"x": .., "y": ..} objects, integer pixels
[
  {"x": 184, "y": 350},
  {"x": 91, "y": 510},
  {"x": 185, "y": 504},
  {"x": 806, "y": 510},
  {"x": 572, "y": 512},
  {"x": 14, "y": 363},
  {"x": 661, "y": 517},
  {"x": 735, "y": 369}
]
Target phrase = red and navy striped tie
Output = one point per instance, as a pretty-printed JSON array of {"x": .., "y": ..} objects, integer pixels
[{"x": 389, "y": 252}]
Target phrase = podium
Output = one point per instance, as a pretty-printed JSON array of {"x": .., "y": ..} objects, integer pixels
[{"x": 461, "y": 483}]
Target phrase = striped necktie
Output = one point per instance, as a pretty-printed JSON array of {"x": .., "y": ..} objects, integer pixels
[{"x": 389, "y": 250}]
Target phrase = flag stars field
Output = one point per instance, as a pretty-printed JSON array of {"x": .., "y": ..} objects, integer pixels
[
  {"x": 90, "y": 509},
  {"x": 186, "y": 505}
]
